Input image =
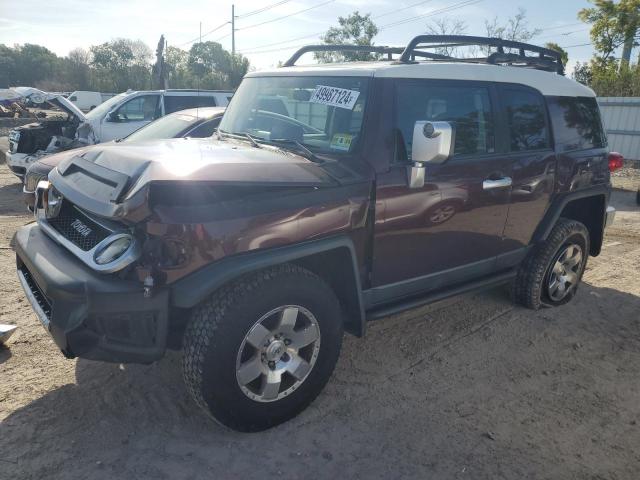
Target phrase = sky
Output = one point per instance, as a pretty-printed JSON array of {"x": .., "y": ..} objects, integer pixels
[{"x": 265, "y": 37}]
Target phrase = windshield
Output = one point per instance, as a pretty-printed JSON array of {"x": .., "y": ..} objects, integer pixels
[
  {"x": 166, "y": 127},
  {"x": 105, "y": 107},
  {"x": 322, "y": 113}
]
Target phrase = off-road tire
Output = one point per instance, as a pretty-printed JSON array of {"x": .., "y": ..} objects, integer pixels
[
  {"x": 218, "y": 326},
  {"x": 529, "y": 288}
]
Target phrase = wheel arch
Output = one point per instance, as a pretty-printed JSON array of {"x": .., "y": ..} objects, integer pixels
[
  {"x": 588, "y": 207},
  {"x": 333, "y": 259}
]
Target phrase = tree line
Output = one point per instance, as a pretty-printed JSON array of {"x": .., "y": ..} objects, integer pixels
[{"x": 118, "y": 65}]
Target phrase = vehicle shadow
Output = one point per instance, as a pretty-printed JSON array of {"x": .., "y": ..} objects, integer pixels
[
  {"x": 5, "y": 354},
  {"x": 10, "y": 202},
  {"x": 474, "y": 385},
  {"x": 624, "y": 201}
]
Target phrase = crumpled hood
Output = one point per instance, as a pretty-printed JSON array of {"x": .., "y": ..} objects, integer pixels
[
  {"x": 38, "y": 96},
  {"x": 111, "y": 174}
]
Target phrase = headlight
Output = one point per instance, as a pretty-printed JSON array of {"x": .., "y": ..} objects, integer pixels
[
  {"x": 113, "y": 250},
  {"x": 31, "y": 181}
]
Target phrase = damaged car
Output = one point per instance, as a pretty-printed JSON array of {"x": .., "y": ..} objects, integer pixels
[
  {"x": 114, "y": 119},
  {"x": 29, "y": 142}
]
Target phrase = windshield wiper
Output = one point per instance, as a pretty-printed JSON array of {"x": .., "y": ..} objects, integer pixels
[
  {"x": 252, "y": 138},
  {"x": 301, "y": 146}
]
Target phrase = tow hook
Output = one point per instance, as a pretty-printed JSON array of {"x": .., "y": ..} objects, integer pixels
[{"x": 148, "y": 286}]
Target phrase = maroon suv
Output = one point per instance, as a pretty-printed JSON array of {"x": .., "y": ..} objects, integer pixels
[{"x": 331, "y": 195}]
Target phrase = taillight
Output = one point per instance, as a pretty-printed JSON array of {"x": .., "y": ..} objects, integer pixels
[{"x": 616, "y": 161}]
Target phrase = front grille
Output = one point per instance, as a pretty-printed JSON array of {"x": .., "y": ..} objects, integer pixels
[
  {"x": 77, "y": 227},
  {"x": 41, "y": 298}
]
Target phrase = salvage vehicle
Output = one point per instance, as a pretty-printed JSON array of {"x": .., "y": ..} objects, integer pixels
[
  {"x": 253, "y": 251},
  {"x": 194, "y": 123},
  {"x": 115, "y": 118}
]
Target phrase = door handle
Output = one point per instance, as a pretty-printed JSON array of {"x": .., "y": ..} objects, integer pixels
[{"x": 499, "y": 183}]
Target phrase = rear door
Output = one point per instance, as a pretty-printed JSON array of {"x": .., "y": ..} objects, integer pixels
[
  {"x": 533, "y": 160},
  {"x": 452, "y": 227},
  {"x": 174, "y": 101}
]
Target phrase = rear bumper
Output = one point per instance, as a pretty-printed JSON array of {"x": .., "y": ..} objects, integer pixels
[
  {"x": 610, "y": 215},
  {"x": 88, "y": 314}
]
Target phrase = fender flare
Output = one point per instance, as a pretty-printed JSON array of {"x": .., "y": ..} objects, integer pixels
[
  {"x": 194, "y": 288},
  {"x": 561, "y": 201}
]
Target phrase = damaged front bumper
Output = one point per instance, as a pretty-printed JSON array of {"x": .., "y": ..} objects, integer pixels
[
  {"x": 17, "y": 163},
  {"x": 89, "y": 314}
]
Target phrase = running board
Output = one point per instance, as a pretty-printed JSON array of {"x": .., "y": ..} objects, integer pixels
[{"x": 432, "y": 297}]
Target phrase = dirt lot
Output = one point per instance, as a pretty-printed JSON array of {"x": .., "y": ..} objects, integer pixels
[{"x": 475, "y": 388}]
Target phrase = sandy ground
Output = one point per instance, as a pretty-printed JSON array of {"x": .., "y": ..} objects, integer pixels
[{"x": 474, "y": 388}]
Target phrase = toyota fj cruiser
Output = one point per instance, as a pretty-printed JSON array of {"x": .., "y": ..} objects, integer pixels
[{"x": 332, "y": 195}]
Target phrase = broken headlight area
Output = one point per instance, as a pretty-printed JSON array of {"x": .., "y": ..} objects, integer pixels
[{"x": 164, "y": 253}]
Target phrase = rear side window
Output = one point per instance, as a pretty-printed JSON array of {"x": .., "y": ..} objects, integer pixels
[
  {"x": 526, "y": 119},
  {"x": 175, "y": 103},
  {"x": 468, "y": 108},
  {"x": 205, "y": 129},
  {"x": 576, "y": 123}
]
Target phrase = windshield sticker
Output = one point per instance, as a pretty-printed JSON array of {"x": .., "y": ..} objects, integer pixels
[
  {"x": 341, "y": 141},
  {"x": 335, "y": 97}
]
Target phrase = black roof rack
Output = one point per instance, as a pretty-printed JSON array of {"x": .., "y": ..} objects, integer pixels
[{"x": 543, "y": 58}]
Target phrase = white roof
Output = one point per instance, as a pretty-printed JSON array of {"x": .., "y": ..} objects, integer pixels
[{"x": 547, "y": 83}]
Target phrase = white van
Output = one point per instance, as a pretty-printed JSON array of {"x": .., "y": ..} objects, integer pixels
[
  {"x": 87, "y": 101},
  {"x": 115, "y": 118}
]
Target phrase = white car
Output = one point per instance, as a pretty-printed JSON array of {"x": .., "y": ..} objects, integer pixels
[{"x": 116, "y": 118}]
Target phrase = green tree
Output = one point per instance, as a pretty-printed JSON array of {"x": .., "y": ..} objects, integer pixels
[
  {"x": 7, "y": 66},
  {"x": 558, "y": 48},
  {"x": 354, "y": 29},
  {"x": 211, "y": 66},
  {"x": 613, "y": 25},
  {"x": 121, "y": 64}
]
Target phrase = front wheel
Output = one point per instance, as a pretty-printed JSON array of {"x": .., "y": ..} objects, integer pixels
[
  {"x": 258, "y": 352},
  {"x": 552, "y": 271}
]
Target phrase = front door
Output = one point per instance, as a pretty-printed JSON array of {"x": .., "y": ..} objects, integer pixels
[
  {"x": 131, "y": 116},
  {"x": 451, "y": 229}
]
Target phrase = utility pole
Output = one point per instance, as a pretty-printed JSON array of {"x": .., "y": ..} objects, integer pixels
[{"x": 233, "y": 30}]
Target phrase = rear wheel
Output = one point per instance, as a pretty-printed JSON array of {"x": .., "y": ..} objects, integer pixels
[
  {"x": 551, "y": 273},
  {"x": 258, "y": 352}
]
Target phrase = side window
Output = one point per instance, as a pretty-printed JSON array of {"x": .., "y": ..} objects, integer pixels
[
  {"x": 175, "y": 103},
  {"x": 144, "y": 107},
  {"x": 526, "y": 120},
  {"x": 468, "y": 108},
  {"x": 205, "y": 129},
  {"x": 576, "y": 123}
]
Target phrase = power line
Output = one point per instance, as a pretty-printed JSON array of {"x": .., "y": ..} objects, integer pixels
[
  {"x": 578, "y": 45},
  {"x": 285, "y": 16},
  {"x": 251, "y": 49},
  {"x": 564, "y": 34},
  {"x": 402, "y": 9},
  {"x": 204, "y": 34},
  {"x": 450, "y": 8},
  {"x": 561, "y": 26},
  {"x": 263, "y": 9}
]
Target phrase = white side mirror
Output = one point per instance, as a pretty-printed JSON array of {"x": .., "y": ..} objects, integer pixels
[{"x": 432, "y": 143}]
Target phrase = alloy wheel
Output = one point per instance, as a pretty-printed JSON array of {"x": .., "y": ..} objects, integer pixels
[
  {"x": 565, "y": 272},
  {"x": 278, "y": 353}
]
